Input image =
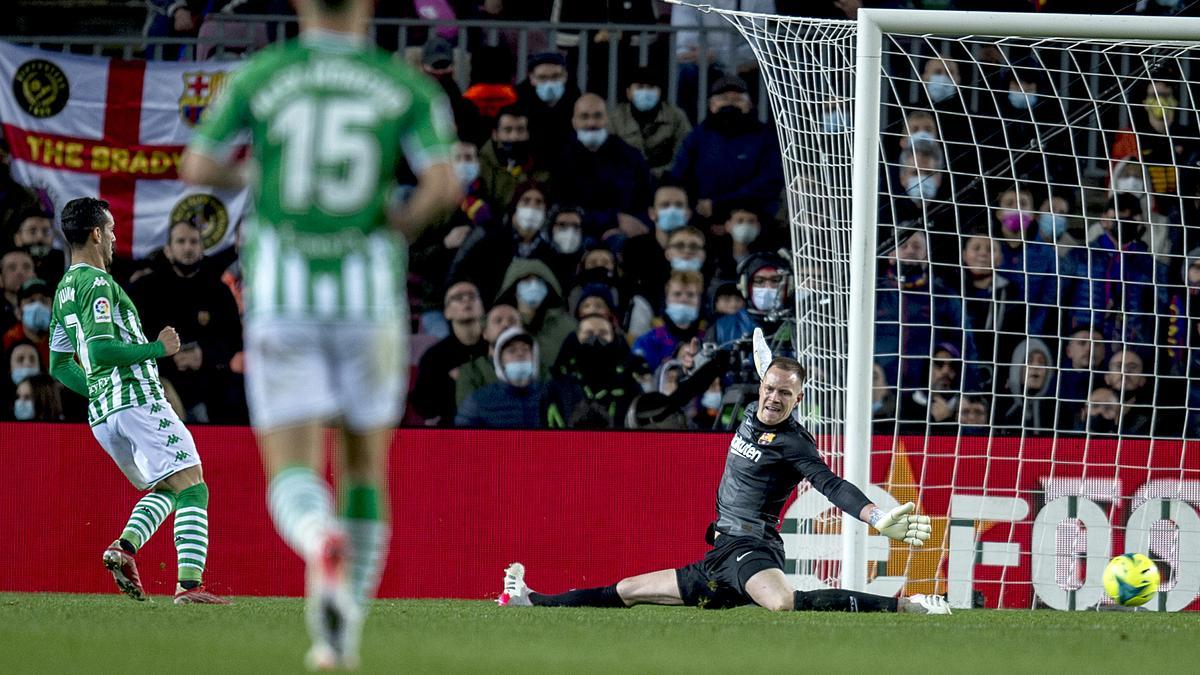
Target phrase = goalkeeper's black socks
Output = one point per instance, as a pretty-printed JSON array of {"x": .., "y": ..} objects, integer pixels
[
  {"x": 836, "y": 600},
  {"x": 605, "y": 596}
]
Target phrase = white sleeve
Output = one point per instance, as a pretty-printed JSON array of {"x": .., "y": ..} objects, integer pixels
[{"x": 59, "y": 341}]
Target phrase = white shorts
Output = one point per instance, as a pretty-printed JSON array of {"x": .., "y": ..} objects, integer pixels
[
  {"x": 308, "y": 370},
  {"x": 148, "y": 442}
]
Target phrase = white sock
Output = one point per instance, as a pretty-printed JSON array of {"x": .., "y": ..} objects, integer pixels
[
  {"x": 369, "y": 543},
  {"x": 301, "y": 506}
]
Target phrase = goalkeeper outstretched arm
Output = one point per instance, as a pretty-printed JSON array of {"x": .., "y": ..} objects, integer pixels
[{"x": 900, "y": 523}]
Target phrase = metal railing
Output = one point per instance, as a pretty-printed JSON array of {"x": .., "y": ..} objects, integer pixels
[{"x": 642, "y": 42}]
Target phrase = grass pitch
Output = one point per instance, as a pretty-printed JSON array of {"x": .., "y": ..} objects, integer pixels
[{"x": 93, "y": 633}]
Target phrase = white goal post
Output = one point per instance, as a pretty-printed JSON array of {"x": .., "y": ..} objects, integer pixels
[{"x": 1027, "y": 507}]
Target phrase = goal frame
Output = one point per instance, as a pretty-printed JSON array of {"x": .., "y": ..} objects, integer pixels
[{"x": 872, "y": 24}]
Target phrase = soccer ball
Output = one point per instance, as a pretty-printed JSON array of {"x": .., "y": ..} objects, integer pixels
[{"x": 1131, "y": 579}]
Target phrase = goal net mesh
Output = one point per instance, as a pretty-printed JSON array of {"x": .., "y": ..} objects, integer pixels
[{"x": 1036, "y": 369}]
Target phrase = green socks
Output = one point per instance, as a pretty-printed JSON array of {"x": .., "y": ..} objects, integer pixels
[
  {"x": 368, "y": 539},
  {"x": 191, "y": 531},
  {"x": 148, "y": 514}
]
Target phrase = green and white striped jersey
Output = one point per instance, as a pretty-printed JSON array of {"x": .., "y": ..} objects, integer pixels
[
  {"x": 90, "y": 306},
  {"x": 328, "y": 118}
]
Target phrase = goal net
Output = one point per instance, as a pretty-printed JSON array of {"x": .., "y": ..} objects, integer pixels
[{"x": 992, "y": 219}]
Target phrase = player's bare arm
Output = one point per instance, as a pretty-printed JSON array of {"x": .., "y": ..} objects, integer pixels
[{"x": 437, "y": 192}]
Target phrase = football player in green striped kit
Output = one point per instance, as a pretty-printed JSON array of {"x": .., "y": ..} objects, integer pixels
[
  {"x": 94, "y": 320},
  {"x": 328, "y": 116}
]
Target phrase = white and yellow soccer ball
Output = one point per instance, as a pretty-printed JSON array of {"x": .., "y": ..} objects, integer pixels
[{"x": 1131, "y": 579}]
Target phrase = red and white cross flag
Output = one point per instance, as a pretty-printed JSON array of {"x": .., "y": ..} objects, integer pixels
[{"x": 82, "y": 126}]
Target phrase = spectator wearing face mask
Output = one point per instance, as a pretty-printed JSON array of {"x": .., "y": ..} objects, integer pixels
[
  {"x": 669, "y": 212},
  {"x": 602, "y": 173},
  {"x": 648, "y": 123},
  {"x": 679, "y": 321},
  {"x": 486, "y": 252},
  {"x": 481, "y": 370},
  {"x": 530, "y": 286},
  {"x": 1157, "y": 138},
  {"x": 1102, "y": 414},
  {"x": 549, "y": 98},
  {"x": 739, "y": 234},
  {"x": 564, "y": 229},
  {"x": 507, "y": 160},
  {"x": 517, "y": 398},
  {"x": 730, "y": 156},
  {"x": 23, "y": 360},
  {"x": 37, "y": 400},
  {"x": 33, "y": 310},
  {"x": 594, "y": 378},
  {"x": 35, "y": 233},
  {"x": 432, "y": 256},
  {"x": 20, "y": 362},
  {"x": 1029, "y": 265}
]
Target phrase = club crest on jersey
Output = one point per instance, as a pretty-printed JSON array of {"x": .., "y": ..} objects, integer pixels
[
  {"x": 199, "y": 88},
  {"x": 101, "y": 311},
  {"x": 766, "y": 438},
  {"x": 743, "y": 449}
]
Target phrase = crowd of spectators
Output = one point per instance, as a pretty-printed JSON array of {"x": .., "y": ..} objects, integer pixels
[{"x": 597, "y": 248}]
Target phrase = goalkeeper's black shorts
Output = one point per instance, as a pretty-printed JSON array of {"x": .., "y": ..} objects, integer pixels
[{"x": 719, "y": 580}]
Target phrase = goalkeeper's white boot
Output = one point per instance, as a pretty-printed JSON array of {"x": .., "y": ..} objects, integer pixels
[
  {"x": 926, "y": 604},
  {"x": 516, "y": 593}
]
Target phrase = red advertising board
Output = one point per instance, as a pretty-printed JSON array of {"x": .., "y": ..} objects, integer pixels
[{"x": 578, "y": 508}]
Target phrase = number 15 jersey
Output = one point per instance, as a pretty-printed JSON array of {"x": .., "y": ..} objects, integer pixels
[{"x": 328, "y": 117}]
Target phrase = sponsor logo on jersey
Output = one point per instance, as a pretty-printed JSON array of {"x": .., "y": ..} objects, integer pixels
[
  {"x": 744, "y": 449},
  {"x": 41, "y": 88},
  {"x": 99, "y": 281},
  {"x": 101, "y": 311},
  {"x": 207, "y": 213},
  {"x": 199, "y": 89},
  {"x": 766, "y": 438}
]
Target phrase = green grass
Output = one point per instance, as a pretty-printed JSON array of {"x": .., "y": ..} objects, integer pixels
[{"x": 93, "y": 633}]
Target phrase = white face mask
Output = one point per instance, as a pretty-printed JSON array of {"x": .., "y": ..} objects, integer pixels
[
  {"x": 529, "y": 219},
  {"x": 940, "y": 87},
  {"x": 592, "y": 138},
  {"x": 1129, "y": 184},
  {"x": 567, "y": 239},
  {"x": 518, "y": 373},
  {"x": 744, "y": 232},
  {"x": 467, "y": 172},
  {"x": 765, "y": 299},
  {"x": 711, "y": 400}
]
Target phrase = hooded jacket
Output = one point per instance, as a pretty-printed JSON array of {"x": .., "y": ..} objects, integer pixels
[
  {"x": 551, "y": 324},
  {"x": 1033, "y": 410},
  {"x": 502, "y": 405}
]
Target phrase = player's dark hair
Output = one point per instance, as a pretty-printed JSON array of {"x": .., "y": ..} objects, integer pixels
[
  {"x": 789, "y": 365},
  {"x": 80, "y": 217}
]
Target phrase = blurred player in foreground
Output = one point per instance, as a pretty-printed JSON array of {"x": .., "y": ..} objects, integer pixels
[
  {"x": 326, "y": 334},
  {"x": 770, "y": 454},
  {"x": 129, "y": 415}
]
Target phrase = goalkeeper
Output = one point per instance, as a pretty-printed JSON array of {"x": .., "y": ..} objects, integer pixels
[{"x": 769, "y": 455}]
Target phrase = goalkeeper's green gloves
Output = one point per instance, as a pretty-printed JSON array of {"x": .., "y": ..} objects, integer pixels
[{"x": 901, "y": 525}]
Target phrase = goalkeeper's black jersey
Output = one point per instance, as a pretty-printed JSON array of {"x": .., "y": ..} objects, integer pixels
[{"x": 763, "y": 466}]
